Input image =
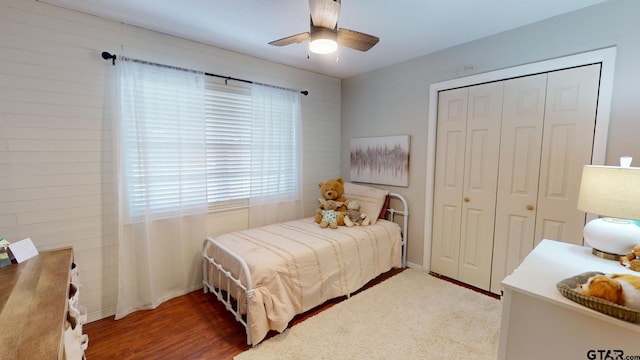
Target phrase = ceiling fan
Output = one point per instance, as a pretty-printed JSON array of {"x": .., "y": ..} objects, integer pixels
[{"x": 324, "y": 34}]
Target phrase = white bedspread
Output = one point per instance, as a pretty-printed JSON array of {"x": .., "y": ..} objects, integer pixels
[{"x": 296, "y": 265}]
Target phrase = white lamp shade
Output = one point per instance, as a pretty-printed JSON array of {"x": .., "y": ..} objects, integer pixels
[{"x": 610, "y": 191}]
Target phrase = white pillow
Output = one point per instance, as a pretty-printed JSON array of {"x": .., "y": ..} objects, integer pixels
[{"x": 371, "y": 200}]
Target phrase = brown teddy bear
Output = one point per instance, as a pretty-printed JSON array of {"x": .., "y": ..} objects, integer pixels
[{"x": 332, "y": 189}]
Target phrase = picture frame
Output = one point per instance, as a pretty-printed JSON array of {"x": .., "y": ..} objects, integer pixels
[{"x": 380, "y": 160}]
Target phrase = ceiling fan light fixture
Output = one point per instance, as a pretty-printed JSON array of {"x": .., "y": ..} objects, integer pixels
[
  {"x": 323, "y": 42},
  {"x": 323, "y": 46},
  {"x": 324, "y": 35}
]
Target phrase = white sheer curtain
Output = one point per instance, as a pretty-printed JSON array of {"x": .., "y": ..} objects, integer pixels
[
  {"x": 161, "y": 183},
  {"x": 276, "y": 156}
]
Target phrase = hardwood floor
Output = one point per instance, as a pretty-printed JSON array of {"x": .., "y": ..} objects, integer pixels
[{"x": 193, "y": 326}]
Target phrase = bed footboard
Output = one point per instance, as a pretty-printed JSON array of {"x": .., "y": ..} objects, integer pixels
[{"x": 215, "y": 278}]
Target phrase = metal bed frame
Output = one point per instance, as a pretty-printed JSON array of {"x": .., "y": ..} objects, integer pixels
[{"x": 233, "y": 304}]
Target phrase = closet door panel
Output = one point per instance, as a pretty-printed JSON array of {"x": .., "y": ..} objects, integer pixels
[
  {"x": 570, "y": 115},
  {"x": 450, "y": 148},
  {"x": 480, "y": 179},
  {"x": 520, "y": 149}
]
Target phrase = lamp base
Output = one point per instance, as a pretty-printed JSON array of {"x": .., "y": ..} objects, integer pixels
[
  {"x": 611, "y": 237},
  {"x": 606, "y": 255}
]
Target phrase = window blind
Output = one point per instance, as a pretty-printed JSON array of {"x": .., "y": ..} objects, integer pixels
[
  {"x": 228, "y": 133},
  {"x": 252, "y": 145}
]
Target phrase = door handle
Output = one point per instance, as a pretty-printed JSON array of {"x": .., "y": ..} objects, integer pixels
[
  {"x": 466, "y": 199},
  {"x": 530, "y": 207}
]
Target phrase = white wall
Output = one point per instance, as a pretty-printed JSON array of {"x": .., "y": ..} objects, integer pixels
[
  {"x": 56, "y": 176},
  {"x": 395, "y": 100}
]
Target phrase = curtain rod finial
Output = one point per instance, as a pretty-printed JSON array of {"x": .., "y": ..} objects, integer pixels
[
  {"x": 107, "y": 56},
  {"x": 304, "y": 92}
]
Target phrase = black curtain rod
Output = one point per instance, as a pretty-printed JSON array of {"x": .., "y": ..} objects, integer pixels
[{"x": 112, "y": 57}]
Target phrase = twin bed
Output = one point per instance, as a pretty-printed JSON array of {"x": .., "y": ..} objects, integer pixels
[{"x": 267, "y": 275}]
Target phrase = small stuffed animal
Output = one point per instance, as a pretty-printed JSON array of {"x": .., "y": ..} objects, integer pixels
[
  {"x": 353, "y": 216},
  {"x": 632, "y": 259},
  {"x": 332, "y": 189},
  {"x": 621, "y": 289},
  {"x": 329, "y": 213}
]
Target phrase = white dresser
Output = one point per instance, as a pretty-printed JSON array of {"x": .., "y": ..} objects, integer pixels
[{"x": 539, "y": 323}]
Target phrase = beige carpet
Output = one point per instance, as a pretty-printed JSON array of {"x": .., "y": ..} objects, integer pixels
[{"x": 412, "y": 315}]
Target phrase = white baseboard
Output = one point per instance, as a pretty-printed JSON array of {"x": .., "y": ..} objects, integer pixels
[
  {"x": 101, "y": 314},
  {"x": 414, "y": 266}
]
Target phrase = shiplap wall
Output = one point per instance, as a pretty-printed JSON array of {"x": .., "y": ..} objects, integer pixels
[{"x": 57, "y": 183}]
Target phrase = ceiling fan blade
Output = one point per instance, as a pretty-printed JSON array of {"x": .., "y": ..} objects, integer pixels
[
  {"x": 324, "y": 13},
  {"x": 356, "y": 40},
  {"x": 291, "y": 39}
]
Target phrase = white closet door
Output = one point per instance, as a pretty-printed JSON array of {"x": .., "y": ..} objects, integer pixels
[
  {"x": 520, "y": 148},
  {"x": 451, "y": 135},
  {"x": 569, "y": 124},
  {"x": 509, "y": 157},
  {"x": 480, "y": 183}
]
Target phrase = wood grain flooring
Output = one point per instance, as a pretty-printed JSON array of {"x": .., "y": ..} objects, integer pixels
[{"x": 193, "y": 326}]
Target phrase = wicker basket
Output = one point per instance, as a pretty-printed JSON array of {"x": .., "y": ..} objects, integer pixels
[{"x": 567, "y": 287}]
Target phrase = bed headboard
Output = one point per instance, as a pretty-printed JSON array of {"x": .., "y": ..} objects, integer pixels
[{"x": 404, "y": 212}]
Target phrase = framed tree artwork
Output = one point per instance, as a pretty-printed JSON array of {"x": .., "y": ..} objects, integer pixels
[{"x": 380, "y": 160}]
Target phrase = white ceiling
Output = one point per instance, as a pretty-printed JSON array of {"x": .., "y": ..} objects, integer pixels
[{"x": 407, "y": 28}]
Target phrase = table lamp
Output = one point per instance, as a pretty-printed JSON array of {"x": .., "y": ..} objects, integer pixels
[{"x": 612, "y": 192}]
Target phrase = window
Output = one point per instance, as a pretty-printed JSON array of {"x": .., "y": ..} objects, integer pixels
[
  {"x": 189, "y": 139},
  {"x": 228, "y": 124},
  {"x": 252, "y": 142}
]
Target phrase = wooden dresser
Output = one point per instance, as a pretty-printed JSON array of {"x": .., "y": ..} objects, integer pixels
[{"x": 33, "y": 306}]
